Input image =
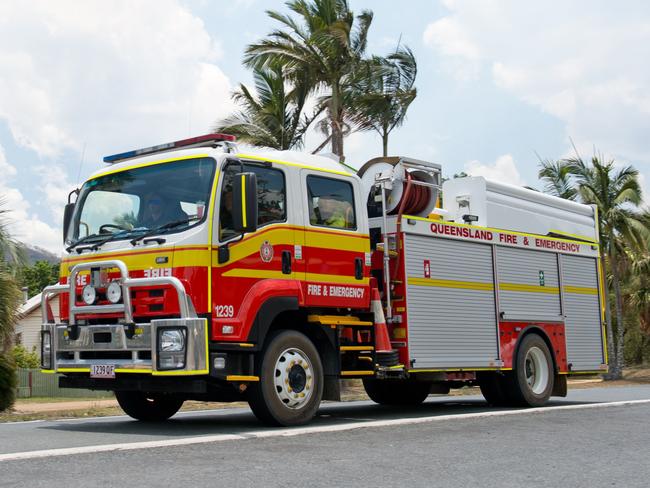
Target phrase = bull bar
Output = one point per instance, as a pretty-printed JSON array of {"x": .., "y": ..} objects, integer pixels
[{"x": 128, "y": 346}]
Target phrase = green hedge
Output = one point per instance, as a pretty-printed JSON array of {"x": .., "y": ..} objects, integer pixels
[{"x": 8, "y": 382}]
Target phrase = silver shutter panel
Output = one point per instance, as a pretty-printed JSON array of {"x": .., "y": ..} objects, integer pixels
[
  {"x": 583, "y": 318},
  {"x": 450, "y": 324}
]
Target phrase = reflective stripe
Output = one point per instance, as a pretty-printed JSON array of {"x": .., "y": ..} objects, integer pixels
[
  {"x": 464, "y": 285},
  {"x": 553, "y": 290},
  {"x": 243, "y": 199}
]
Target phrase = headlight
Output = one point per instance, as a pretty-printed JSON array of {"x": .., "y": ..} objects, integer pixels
[
  {"x": 89, "y": 294},
  {"x": 46, "y": 350},
  {"x": 172, "y": 340},
  {"x": 114, "y": 292},
  {"x": 171, "y": 348}
]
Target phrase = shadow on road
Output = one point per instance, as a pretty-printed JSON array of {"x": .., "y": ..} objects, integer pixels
[{"x": 240, "y": 421}]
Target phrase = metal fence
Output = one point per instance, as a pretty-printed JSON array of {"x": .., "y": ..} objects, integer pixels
[{"x": 33, "y": 383}]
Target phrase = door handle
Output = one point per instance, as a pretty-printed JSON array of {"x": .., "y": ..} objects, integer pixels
[
  {"x": 286, "y": 262},
  {"x": 358, "y": 269}
]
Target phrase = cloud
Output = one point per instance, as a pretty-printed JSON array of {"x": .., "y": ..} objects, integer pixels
[
  {"x": 582, "y": 62},
  {"x": 503, "y": 170},
  {"x": 112, "y": 74},
  {"x": 23, "y": 224}
]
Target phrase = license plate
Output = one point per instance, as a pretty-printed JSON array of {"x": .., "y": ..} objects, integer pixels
[{"x": 102, "y": 371}]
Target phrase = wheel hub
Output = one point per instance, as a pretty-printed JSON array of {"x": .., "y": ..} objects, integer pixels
[
  {"x": 293, "y": 378},
  {"x": 536, "y": 370}
]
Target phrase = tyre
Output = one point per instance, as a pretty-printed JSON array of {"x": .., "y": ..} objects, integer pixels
[
  {"x": 148, "y": 407},
  {"x": 396, "y": 392},
  {"x": 290, "y": 388},
  {"x": 530, "y": 384}
]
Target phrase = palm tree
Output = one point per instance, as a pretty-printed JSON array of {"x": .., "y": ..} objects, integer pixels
[
  {"x": 324, "y": 45},
  {"x": 273, "y": 116},
  {"x": 557, "y": 178},
  {"x": 616, "y": 194},
  {"x": 383, "y": 93}
]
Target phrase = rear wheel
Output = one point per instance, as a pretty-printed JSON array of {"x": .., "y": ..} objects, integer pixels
[
  {"x": 396, "y": 392},
  {"x": 148, "y": 407},
  {"x": 531, "y": 382},
  {"x": 291, "y": 381}
]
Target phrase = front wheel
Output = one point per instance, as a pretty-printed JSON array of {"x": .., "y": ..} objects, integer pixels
[
  {"x": 148, "y": 407},
  {"x": 531, "y": 382},
  {"x": 290, "y": 388}
]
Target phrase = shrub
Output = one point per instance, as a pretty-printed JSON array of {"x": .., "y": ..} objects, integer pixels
[
  {"x": 25, "y": 359},
  {"x": 8, "y": 382}
]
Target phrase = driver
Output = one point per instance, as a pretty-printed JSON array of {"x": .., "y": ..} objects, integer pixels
[
  {"x": 159, "y": 212},
  {"x": 332, "y": 210}
]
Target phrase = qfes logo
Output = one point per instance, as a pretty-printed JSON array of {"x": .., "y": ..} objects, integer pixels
[{"x": 266, "y": 252}]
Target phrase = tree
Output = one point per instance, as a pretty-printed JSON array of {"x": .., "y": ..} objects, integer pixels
[
  {"x": 9, "y": 293},
  {"x": 273, "y": 116},
  {"x": 325, "y": 45},
  {"x": 383, "y": 93},
  {"x": 38, "y": 276},
  {"x": 617, "y": 195},
  {"x": 558, "y": 178}
]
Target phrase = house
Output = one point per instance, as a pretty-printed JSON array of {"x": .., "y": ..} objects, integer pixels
[{"x": 28, "y": 326}]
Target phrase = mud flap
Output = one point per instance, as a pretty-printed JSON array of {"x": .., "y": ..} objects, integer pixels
[{"x": 559, "y": 386}]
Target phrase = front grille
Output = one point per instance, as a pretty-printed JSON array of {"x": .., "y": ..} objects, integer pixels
[{"x": 106, "y": 355}]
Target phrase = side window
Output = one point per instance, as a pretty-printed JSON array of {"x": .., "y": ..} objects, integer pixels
[
  {"x": 331, "y": 203},
  {"x": 271, "y": 197}
]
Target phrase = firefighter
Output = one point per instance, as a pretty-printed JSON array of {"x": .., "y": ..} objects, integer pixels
[{"x": 332, "y": 210}]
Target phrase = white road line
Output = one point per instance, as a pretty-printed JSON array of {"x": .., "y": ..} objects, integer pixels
[{"x": 71, "y": 451}]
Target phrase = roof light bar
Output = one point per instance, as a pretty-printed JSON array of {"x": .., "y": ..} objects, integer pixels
[{"x": 185, "y": 143}]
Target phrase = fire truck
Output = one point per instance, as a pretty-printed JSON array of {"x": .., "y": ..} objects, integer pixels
[{"x": 196, "y": 271}]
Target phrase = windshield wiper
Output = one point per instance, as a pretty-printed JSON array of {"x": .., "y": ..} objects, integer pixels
[
  {"x": 162, "y": 228},
  {"x": 97, "y": 244},
  {"x": 81, "y": 241}
]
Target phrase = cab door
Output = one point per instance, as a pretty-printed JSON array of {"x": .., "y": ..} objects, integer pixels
[
  {"x": 240, "y": 263},
  {"x": 336, "y": 249}
]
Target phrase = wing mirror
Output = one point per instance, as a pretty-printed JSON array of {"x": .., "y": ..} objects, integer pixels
[{"x": 244, "y": 202}]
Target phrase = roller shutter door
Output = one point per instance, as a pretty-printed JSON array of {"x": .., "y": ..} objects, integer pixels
[
  {"x": 528, "y": 284},
  {"x": 451, "y": 314},
  {"x": 583, "y": 316}
]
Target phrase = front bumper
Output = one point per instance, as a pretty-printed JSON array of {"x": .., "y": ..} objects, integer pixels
[
  {"x": 115, "y": 345},
  {"x": 126, "y": 346}
]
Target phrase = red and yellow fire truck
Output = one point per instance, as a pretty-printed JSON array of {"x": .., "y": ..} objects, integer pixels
[{"x": 195, "y": 271}]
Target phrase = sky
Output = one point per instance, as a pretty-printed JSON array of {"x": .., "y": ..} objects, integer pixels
[{"x": 500, "y": 84}]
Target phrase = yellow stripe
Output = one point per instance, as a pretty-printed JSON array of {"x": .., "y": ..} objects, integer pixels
[
  {"x": 235, "y": 377},
  {"x": 357, "y": 373},
  {"x": 581, "y": 290},
  {"x": 274, "y": 274},
  {"x": 135, "y": 261},
  {"x": 73, "y": 370},
  {"x": 258, "y": 273},
  {"x": 246, "y": 344},
  {"x": 464, "y": 285},
  {"x": 211, "y": 204},
  {"x": 243, "y": 199},
  {"x": 451, "y": 370},
  {"x": 357, "y": 348},
  {"x": 150, "y": 163},
  {"x": 48, "y": 371},
  {"x": 127, "y": 370},
  {"x": 180, "y": 373},
  {"x": 501, "y": 231},
  {"x": 298, "y": 165},
  {"x": 553, "y": 290}
]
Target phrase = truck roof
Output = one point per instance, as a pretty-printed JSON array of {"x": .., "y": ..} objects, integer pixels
[{"x": 292, "y": 158}]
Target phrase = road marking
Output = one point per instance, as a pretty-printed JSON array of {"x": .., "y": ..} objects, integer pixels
[{"x": 208, "y": 439}]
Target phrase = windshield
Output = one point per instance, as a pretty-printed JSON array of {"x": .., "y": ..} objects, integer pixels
[{"x": 137, "y": 200}]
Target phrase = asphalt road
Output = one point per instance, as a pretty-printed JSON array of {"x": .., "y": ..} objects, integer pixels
[{"x": 583, "y": 440}]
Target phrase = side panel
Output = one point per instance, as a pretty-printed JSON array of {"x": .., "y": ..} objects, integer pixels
[
  {"x": 583, "y": 319},
  {"x": 451, "y": 305},
  {"x": 528, "y": 284}
]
